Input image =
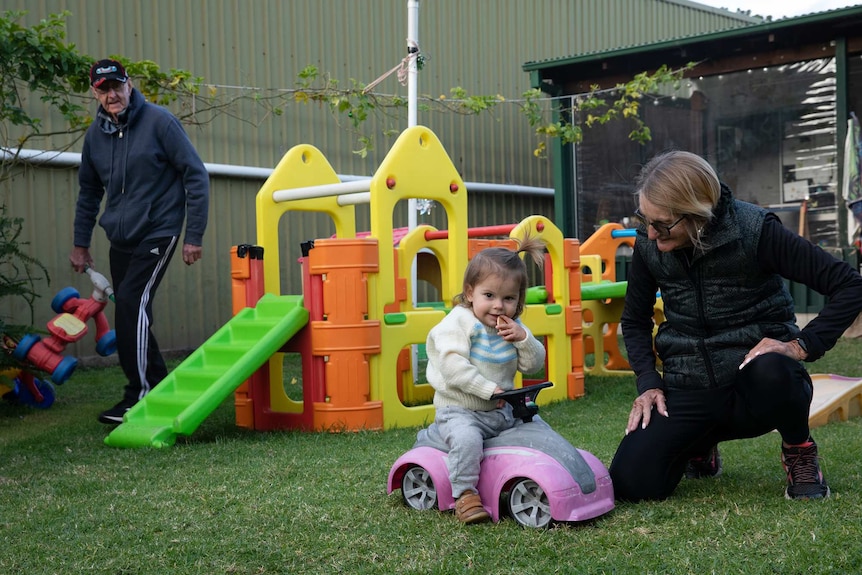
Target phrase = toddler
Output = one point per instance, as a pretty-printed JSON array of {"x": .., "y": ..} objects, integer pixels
[{"x": 474, "y": 353}]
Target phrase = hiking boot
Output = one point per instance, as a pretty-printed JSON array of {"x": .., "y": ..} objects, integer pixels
[
  {"x": 469, "y": 509},
  {"x": 707, "y": 466},
  {"x": 804, "y": 478},
  {"x": 114, "y": 416}
]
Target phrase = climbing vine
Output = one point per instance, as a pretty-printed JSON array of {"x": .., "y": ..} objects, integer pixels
[{"x": 39, "y": 61}]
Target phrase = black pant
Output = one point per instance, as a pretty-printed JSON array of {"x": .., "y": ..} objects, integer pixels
[
  {"x": 136, "y": 274},
  {"x": 771, "y": 392}
]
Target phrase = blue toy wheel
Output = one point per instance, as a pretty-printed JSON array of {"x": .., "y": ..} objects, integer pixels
[
  {"x": 107, "y": 344},
  {"x": 26, "y": 396},
  {"x": 23, "y": 347},
  {"x": 62, "y": 297},
  {"x": 64, "y": 370}
]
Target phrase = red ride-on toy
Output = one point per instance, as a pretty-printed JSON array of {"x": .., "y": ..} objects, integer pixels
[{"x": 70, "y": 325}]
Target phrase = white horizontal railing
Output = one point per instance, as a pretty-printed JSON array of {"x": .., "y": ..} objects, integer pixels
[{"x": 351, "y": 184}]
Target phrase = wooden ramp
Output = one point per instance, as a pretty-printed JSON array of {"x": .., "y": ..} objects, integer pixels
[{"x": 836, "y": 398}]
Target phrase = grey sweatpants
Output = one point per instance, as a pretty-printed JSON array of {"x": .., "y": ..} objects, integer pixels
[{"x": 465, "y": 431}]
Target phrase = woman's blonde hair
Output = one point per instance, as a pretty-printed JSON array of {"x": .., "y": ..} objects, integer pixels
[
  {"x": 685, "y": 185},
  {"x": 505, "y": 263}
]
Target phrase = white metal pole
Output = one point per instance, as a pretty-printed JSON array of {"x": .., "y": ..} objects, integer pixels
[
  {"x": 412, "y": 67},
  {"x": 412, "y": 73},
  {"x": 412, "y": 77}
]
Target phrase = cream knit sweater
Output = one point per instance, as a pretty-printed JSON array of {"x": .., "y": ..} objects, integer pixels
[{"x": 468, "y": 360}]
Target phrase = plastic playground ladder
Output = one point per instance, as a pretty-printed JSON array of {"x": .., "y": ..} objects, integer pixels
[{"x": 181, "y": 401}]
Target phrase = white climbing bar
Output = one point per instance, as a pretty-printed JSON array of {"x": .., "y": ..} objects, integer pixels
[{"x": 321, "y": 191}]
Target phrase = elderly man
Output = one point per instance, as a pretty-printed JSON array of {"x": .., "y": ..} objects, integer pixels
[{"x": 139, "y": 155}]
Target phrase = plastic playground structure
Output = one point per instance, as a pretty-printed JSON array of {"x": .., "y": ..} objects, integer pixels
[{"x": 355, "y": 325}]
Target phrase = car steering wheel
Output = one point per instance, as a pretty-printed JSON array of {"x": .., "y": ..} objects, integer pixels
[{"x": 523, "y": 400}]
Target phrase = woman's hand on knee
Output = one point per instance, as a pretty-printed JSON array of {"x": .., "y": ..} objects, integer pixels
[
  {"x": 768, "y": 345},
  {"x": 642, "y": 409}
]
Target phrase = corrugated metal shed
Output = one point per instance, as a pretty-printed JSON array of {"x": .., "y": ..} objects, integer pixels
[{"x": 242, "y": 46}]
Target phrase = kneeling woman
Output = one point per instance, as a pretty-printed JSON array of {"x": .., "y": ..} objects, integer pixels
[{"x": 730, "y": 348}]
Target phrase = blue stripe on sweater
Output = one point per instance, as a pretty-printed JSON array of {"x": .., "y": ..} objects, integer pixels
[{"x": 491, "y": 349}]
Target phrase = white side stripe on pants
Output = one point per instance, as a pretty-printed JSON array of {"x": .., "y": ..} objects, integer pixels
[{"x": 143, "y": 327}]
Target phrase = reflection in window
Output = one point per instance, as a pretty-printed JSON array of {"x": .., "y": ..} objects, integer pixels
[
  {"x": 775, "y": 141},
  {"x": 770, "y": 133}
]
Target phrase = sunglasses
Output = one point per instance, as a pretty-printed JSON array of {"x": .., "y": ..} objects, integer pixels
[
  {"x": 662, "y": 229},
  {"x": 110, "y": 85}
]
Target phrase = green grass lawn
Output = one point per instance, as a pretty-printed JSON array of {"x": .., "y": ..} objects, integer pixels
[{"x": 229, "y": 500}]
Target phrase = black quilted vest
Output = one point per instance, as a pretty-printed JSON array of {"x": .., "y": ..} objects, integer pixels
[{"x": 718, "y": 303}]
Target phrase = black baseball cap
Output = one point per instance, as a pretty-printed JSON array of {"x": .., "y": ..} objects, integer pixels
[{"x": 107, "y": 69}]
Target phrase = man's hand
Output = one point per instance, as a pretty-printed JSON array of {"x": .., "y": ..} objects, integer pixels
[
  {"x": 191, "y": 253},
  {"x": 80, "y": 259}
]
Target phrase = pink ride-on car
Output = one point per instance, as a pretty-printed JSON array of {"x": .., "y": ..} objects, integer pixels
[{"x": 529, "y": 472}]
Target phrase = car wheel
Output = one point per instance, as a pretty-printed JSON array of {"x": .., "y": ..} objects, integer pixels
[
  {"x": 529, "y": 504},
  {"x": 418, "y": 489}
]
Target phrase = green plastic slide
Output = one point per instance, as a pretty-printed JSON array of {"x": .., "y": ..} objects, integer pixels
[{"x": 192, "y": 391}]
